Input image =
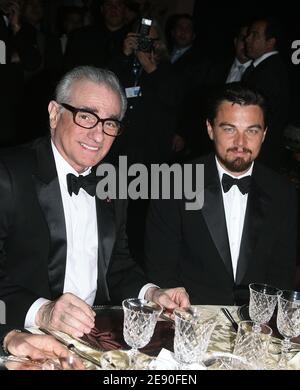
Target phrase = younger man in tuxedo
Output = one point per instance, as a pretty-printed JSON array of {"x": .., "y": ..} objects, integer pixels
[{"x": 246, "y": 230}]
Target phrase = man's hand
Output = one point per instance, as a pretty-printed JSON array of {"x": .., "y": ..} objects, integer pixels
[
  {"x": 169, "y": 298},
  {"x": 38, "y": 347},
  {"x": 69, "y": 314},
  {"x": 147, "y": 60},
  {"x": 130, "y": 44}
]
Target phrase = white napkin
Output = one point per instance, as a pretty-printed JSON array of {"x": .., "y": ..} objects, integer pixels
[{"x": 166, "y": 361}]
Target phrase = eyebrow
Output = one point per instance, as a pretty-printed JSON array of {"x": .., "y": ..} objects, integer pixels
[
  {"x": 94, "y": 110},
  {"x": 256, "y": 126}
]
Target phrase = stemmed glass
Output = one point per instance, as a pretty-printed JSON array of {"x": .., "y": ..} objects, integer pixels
[
  {"x": 192, "y": 334},
  {"x": 263, "y": 300},
  {"x": 288, "y": 321},
  {"x": 140, "y": 317}
]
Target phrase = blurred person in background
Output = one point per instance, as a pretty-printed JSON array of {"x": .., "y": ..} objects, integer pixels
[
  {"x": 268, "y": 74},
  {"x": 97, "y": 44}
]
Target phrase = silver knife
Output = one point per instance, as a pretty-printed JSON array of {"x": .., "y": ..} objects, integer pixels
[{"x": 72, "y": 348}]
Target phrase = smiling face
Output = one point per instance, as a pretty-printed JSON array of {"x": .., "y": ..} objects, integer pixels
[
  {"x": 238, "y": 133},
  {"x": 83, "y": 148}
]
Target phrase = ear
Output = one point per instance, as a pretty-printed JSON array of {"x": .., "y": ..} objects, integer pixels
[
  {"x": 54, "y": 114},
  {"x": 271, "y": 43},
  {"x": 210, "y": 130}
]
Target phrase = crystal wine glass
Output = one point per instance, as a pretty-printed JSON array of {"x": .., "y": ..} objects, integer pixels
[
  {"x": 288, "y": 321},
  {"x": 263, "y": 300},
  {"x": 140, "y": 317},
  {"x": 193, "y": 330}
]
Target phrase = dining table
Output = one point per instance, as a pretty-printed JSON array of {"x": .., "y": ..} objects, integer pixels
[{"x": 105, "y": 345}]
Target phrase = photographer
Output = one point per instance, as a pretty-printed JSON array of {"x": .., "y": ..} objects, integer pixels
[
  {"x": 153, "y": 94},
  {"x": 154, "y": 98}
]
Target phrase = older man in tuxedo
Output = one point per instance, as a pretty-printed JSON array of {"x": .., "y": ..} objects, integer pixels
[
  {"x": 246, "y": 230},
  {"x": 61, "y": 249}
]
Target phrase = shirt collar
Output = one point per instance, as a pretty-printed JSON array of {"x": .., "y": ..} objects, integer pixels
[
  {"x": 182, "y": 50},
  {"x": 63, "y": 167},
  {"x": 6, "y": 20},
  {"x": 221, "y": 171},
  {"x": 263, "y": 57},
  {"x": 245, "y": 65}
]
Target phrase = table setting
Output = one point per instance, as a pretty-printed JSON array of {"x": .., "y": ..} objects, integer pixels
[{"x": 139, "y": 336}]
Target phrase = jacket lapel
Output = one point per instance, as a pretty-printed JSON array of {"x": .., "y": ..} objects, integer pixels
[
  {"x": 49, "y": 196},
  {"x": 214, "y": 214},
  {"x": 106, "y": 240},
  {"x": 253, "y": 223}
]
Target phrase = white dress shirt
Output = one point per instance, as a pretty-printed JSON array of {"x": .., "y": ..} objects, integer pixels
[
  {"x": 237, "y": 70},
  {"x": 82, "y": 242},
  {"x": 177, "y": 53},
  {"x": 264, "y": 57},
  {"x": 235, "y": 204}
]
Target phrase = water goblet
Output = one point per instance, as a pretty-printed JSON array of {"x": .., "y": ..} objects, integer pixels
[
  {"x": 288, "y": 322},
  {"x": 263, "y": 300},
  {"x": 193, "y": 330},
  {"x": 252, "y": 346},
  {"x": 140, "y": 317}
]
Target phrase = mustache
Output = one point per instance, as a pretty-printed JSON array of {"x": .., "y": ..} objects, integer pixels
[{"x": 236, "y": 149}]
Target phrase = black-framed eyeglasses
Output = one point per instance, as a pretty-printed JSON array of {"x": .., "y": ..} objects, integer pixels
[{"x": 89, "y": 120}]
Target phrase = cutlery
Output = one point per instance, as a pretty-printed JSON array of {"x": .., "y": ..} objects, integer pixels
[
  {"x": 295, "y": 346},
  {"x": 228, "y": 315},
  {"x": 71, "y": 347},
  {"x": 27, "y": 362}
]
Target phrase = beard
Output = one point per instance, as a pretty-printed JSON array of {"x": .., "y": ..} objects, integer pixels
[{"x": 239, "y": 164}]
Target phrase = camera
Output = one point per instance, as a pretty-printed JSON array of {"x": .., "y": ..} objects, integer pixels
[{"x": 145, "y": 43}]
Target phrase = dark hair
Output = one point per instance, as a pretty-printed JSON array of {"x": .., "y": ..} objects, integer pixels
[
  {"x": 238, "y": 28},
  {"x": 236, "y": 93},
  {"x": 274, "y": 30},
  {"x": 179, "y": 17}
]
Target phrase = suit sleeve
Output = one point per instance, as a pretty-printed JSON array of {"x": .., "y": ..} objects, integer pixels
[
  {"x": 163, "y": 243},
  {"x": 16, "y": 299},
  {"x": 125, "y": 278},
  {"x": 282, "y": 272},
  {"x": 4, "y": 330}
]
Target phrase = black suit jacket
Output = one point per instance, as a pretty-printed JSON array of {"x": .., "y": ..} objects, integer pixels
[
  {"x": 33, "y": 240},
  {"x": 270, "y": 77},
  {"x": 4, "y": 329},
  {"x": 191, "y": 248}
]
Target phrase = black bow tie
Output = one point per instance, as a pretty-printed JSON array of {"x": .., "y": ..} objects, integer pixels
[
  {"x": 247, "y": 73},
  {"x": 88, "y": 183},
  {"x": 243, "y": 184}
]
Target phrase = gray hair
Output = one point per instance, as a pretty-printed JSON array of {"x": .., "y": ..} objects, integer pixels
[{"x": 96, "y": 75}]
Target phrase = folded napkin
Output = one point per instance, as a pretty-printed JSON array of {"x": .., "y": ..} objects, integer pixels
[
  {"x": 166, "y": 361},
  {"x": 105, "y": 341}
]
